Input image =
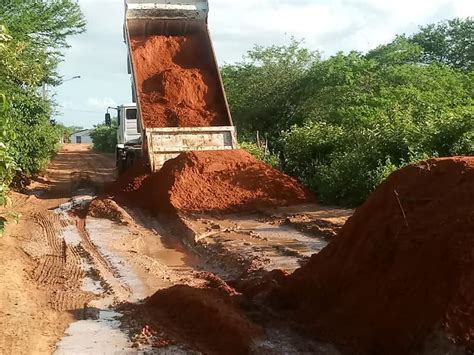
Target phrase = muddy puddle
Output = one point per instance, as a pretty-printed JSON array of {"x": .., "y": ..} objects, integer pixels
[
  {"x": 269, "y": 245},
  {"x": 101, "y": 336},
  {"x": 106, "y": 277}
]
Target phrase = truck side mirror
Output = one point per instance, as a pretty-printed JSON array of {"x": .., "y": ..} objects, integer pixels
[{"x": 108, "y": 119}]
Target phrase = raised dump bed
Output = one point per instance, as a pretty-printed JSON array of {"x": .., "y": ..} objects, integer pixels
[{"x": 176, "y": 81}]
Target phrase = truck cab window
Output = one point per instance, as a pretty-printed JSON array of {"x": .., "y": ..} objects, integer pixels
[{"x": 131, "y": 114}]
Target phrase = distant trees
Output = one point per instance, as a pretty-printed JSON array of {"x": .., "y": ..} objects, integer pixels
[
  {"x": 341, "y": 125},
  {"x": 264, "y": 89},
  {"x": 449, "y": 42},
  {"x": 32, "y": 36}
]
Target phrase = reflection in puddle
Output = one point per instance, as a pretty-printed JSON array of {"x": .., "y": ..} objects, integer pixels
[
  {"x": 101, "y": 336},
  {"x": 103, "y": 233}
]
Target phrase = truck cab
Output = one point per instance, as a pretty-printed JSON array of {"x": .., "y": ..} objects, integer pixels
[
  {"x": 129, "y": 136},
  {"x": 128, "y": 124}
]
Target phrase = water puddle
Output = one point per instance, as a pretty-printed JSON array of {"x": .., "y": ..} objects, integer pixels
[
  {"x": 274, "y": 246},
  {"x": 101, "y": 336},
  {"x": 82, "y": 199},
  {"x": 104, "y": 233},
  {"x": 286, "y": 236},
  {"x": 71, "y": 236}
]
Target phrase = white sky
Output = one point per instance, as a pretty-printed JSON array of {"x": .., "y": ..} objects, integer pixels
[{"x": 99, "y": 56}]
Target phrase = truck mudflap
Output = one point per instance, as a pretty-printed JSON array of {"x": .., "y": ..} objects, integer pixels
[{"x": 167, "y": 143}]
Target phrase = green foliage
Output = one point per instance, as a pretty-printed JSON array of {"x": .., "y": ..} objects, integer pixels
[
  {"x": 32, "y": 35},
  {"x": 449, "y": 42},
  {"x": 41, "y": 28},
  {"x": 105, "y": 137},
  {"x": 261, "y": 153},
  {"x": 263, "y": 89},
  {"x": 363, "y": 119},
  {"x": 341, "y": 125},
  {"x": 400, "y": 51},
  {"x": 7, "y": 172}
]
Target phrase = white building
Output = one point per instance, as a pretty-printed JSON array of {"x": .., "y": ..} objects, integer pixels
[{"x": 81, "y": 137}]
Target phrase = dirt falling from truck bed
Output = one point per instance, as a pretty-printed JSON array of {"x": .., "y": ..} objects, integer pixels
[
  {"x": 177, "y": 82},
  {"x": 224, "y": 181}
]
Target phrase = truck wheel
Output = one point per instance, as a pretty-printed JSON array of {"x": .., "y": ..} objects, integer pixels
[{"x": 121, "y": 166}]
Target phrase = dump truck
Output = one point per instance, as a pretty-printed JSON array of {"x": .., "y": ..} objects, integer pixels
[{"x": 160, "y": 144}]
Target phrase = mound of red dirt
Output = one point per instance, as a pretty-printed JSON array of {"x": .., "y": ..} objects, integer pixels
[
  {"x": 206, "y": 319},
  {"x": 108, "y": 209},
  {"x": 128, "y": 187},
  {"x": 401, "y": 266},
  {"x": 224, "y": 181},
  {"x": 177, "y": 83}
]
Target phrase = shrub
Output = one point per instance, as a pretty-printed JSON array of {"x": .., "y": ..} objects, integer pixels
[
  {"x": 260, "y": 153},
  {"x": 105, "y": 137}
]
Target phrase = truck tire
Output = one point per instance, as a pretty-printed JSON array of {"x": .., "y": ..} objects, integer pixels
[{"x": 121, "y": 166}]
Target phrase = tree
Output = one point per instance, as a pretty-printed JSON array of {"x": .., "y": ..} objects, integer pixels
[
  {"x": 42, "y": 28},
  {"x": 400, "y": 51},
  {"x": 365, "y": 118},
  {"x": 449, "y": 42},
  {"x": 32, "y": 35},
  {"x": 263, "y": 88}
]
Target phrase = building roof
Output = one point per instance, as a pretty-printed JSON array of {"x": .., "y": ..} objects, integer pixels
[{"x": 82, "y": 132}]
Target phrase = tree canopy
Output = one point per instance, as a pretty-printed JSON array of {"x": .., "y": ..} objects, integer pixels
[{"x": 448, "y": 42}]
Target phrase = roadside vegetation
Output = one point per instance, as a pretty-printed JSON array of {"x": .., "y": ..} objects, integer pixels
[
  {"x": 104, "y": 137},
  {"x": 343, "y": 123},
  {"x": 33, "y": 35}
]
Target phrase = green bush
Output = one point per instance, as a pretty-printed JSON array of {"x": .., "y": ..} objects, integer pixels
[
  {"x": 260, "y": 153},
  {"x": 407, "y": 113},
  {"x": 8, "y": 170},
  {"x": 105, "y": 137}
]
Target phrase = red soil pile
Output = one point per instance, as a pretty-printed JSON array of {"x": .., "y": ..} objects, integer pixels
[
  {"x": 401, "y": 266},
  {"x": 177, "y": 82},
  {"x": 108, "y": 209},
  {"x": 224, "y": 181},
  {"x": 128, "y": 187},
  {"x": 206, "y": 319}
]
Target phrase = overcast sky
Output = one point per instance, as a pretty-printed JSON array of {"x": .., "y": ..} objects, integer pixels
[{"x": 99, "y": 56}]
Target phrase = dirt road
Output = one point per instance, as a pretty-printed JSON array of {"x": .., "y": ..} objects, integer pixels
[{"x": 63, "y": 272}]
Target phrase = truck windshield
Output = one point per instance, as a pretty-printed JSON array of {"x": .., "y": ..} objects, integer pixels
[{"x": 131, "y": 114}]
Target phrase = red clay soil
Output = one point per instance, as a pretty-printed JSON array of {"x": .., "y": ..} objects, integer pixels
[
  {"x": 401, "y": 266},
  {"x": 177, "y": 82},
  {"x": 127, "y": 188},
  {"x": 108, "y": 209},
  {"x": 206, "y": 319},
  {"x": 218, "y": 181}
]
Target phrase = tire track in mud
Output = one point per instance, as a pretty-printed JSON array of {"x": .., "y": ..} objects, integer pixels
[
  {"x": 106, "y": 271},
  {"x": 60, "y": 271}
]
